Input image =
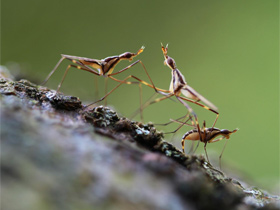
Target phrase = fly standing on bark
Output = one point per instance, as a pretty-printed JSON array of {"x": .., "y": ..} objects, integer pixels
[
  {"x": 179, "y": 86},
  {"x": 105, "y": 67},
  {"x": 207, "y": 135}
]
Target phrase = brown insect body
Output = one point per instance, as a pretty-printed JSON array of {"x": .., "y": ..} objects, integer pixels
[
  {"x": 177, "y": 82},
  {"x": 108, "y": 64},
  {"x": 207, "y": 135},
  {"x": 179, "y": 85},
  {"x": 105, "y": 68}
]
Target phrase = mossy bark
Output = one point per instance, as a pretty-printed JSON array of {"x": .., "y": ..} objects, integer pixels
[{"x": 56, "y": 154}]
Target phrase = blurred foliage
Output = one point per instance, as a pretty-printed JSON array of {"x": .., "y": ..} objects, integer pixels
[{"x": 227, "y": 50}]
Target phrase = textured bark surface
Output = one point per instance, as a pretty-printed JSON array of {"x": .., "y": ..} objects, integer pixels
[{"x": 57, "y": 155}]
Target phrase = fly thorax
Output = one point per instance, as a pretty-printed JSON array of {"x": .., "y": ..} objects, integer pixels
[
  {"x": 109, "y": 64},
  {"x": 178, "y": 80},
  {"x": 212, "y": 133}
]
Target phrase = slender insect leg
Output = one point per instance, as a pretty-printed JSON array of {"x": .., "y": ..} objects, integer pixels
[
  {"x": 54, "y": 69},
  {"x": 171, "y": 121},
  {"x": 192, "y": 112},
  {"x": 205, "y": 134},
  {"x": 182, "y": 123},
  {"x": 157, "y": 100},
  {"x": 140, "y": 81},
  {"x": 185, "y": 123},
  {"x": 220, "y": 157},
  {"x": 143, "y": 82},
  {"x": 141, "y": 101},
  {"x": 204, "y": 137},
  {"x": 96, "y": 92},
  {"x": 65, "y": 73},
  {"x": 106, "y": 90},
  {"x": 78, "y": 67},
  {"x": 215, "y": 120},
  {"x": 203, "y": 106},
  {"x": 206, "y": 152},
  {"x": 120, "y": 83},
  {"x": 183, "y": 145},
  {"x": 148, "y": 102}
]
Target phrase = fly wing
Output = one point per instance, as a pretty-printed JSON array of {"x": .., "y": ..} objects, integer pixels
[
  {"x": 189, "y": 92},
  {"x": 94, "y": 63}
]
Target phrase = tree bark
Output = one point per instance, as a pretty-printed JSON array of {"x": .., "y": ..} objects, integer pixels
[{"x": 57, "y": 154}]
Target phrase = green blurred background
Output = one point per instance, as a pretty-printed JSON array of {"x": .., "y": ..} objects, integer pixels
[{"x": 227, "y": 50}]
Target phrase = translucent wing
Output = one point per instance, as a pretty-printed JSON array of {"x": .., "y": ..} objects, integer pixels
[{"x": 189, "y": 92}]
